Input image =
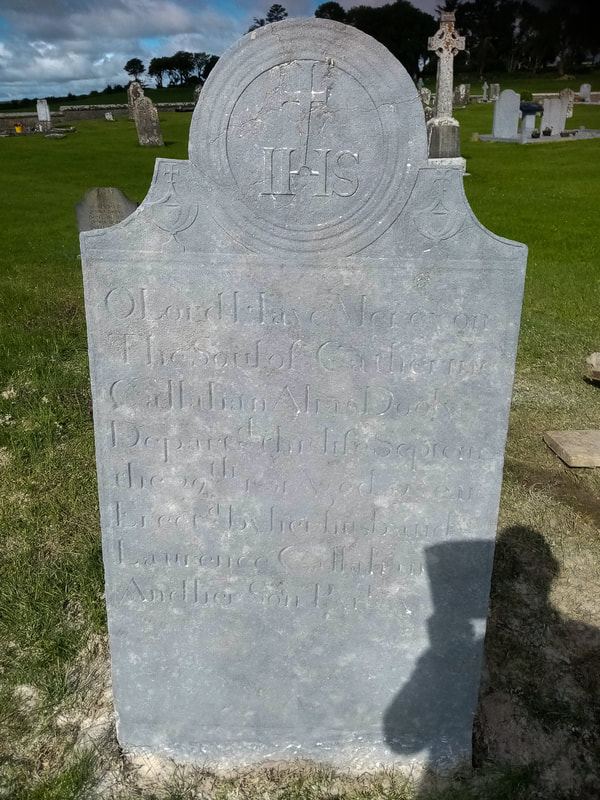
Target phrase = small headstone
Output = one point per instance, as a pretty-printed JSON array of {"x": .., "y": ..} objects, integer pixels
[
  {"x": 462, "y": 95},
  {"x": 593, "y": 362},
  {"x": 419, "y": 84},
  {"x": 555, "y": 113},
  {"x": 108, "y": 116},
  {"x": 102, "y": 207},
  {"x": 43, "y": 115},
  {"x": 506, "y": 115},
  {"x": 425, "y": 96},
  {"x": 568, "y": 98},
  {"x": 147, "y": 123},
  {"x": 302, "y": 349},
  {"x": 55, "y": 136},
  {"x": 484, "y": 89},
  {"x": 584, "y": 92},
  {"x": 134, "y": 93},
  {"x": 575, "y": 448},
  {"x": 529, "y": 112},
  {"x": 494, "y": 91},
  {"x": 197, "y": 92}
]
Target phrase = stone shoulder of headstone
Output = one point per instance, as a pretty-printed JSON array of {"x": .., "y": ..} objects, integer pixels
[
  {"x": 302, "y": 348},
  {"x": 102, "y": 207}
]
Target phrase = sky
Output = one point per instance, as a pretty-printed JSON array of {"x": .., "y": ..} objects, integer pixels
[{"x": 57, "y": 47}]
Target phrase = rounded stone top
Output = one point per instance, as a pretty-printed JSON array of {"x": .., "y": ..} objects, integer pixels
[{"x": 308, "y": 134}]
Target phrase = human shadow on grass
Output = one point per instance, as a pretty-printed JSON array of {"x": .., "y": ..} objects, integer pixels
[
  {"x": 434, "y": 709},
  {"x": 539, "y": 700}
]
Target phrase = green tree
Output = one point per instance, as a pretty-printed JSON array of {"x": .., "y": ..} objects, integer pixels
[
  {"x": 275, "y": 14},
  {"x": 331, "y": 10},
  {"x": 134, "y": 67},
  {"x": 157, "y": 69},
  {"x": 401, "y": 27}
]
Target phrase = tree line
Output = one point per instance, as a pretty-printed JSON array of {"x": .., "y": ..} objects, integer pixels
[{"x": 502, "y": 35}]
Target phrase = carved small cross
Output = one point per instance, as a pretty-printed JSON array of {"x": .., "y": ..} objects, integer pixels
[{"x": 446, "y": 43}]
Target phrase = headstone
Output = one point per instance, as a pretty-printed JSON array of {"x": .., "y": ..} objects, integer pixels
[
  {"x": 575, "y": 448},
  {"x": 584, "y": 92},
  {"x": 506, "y": 115},
  {"x": 484, "y": 89},
  {"x": 134, "y": 93},
  {"x": 102, "y": 207},
  {"x": 419, "y": 84},
  {"x": 443, "y": 130},
  {"x": 462, "y": 95},
  {"x": 108, "y": 116},
  {"x": 555, "y": 112},
  {"x": 425, "y": 96},
  {"x": 197, "y": 91},
  {"x": 147, "y": 123},
  {"x": 43, "y": 115},
  {"x": 568, "y": 98},
  {"x": 494, "y": 91},
  {"x": 302, "y": 348}
]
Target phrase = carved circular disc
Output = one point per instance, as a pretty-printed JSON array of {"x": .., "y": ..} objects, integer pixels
[{"x": 306, "y": 132}]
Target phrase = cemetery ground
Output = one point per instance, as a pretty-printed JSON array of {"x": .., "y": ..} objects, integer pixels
[{"x": 537, "y": 733}]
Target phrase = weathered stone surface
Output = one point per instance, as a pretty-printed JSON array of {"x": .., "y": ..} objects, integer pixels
[
  {"x": 484, "y": 89},
  {"x": 575, "y": 448},
  {"x": 43, "y": 115},
  {"x": 302, "y": 347},
  {"x": 108, "y": 116},
  {"x": 197, "y": 92},
  {"x": 425, "y": 95},
  {"x": 442, "y": 129},
  {"x": 462, "y": 95},
  {"x": 506, "y": 115},
  {"x": 494, "y": 91},
  {"x": 568, "y": 98},
  {"x": 135, "y": 92},
  {"x": 585, "y": 91},
  {"x": 555, "y": 114},
  {"x": 147, "y": 123},
  {"x": 102, "y": 207}
]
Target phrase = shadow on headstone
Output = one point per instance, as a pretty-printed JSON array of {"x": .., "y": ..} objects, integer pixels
[{"x": 434, "y": 710}]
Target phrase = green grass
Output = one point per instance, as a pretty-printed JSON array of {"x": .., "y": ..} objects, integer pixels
[{"x": 540, "y": 664}]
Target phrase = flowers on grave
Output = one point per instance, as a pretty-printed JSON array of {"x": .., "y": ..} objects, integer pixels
[
  {"x": 547, "y": 131},
  {"x": 19, "y": 127}
]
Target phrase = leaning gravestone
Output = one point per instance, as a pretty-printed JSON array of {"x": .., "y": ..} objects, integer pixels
[
  {"x": 302, "y": 348},
  {"x": 506, "y": 115},
  {"x": 568, "y": 98},
  {"x": 135, "y": 92},
  {"x": 102, "y": 207},
  {"x": 147, "y": 123},
  {"x": 555, "y": 114},
  {"x": 43, "y": 115}
]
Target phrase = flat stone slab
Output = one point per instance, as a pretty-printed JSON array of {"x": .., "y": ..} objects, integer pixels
[{"x": 575, "y": 448}]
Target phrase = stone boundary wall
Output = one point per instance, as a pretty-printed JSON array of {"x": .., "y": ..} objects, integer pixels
[
  {"x": 28, "y": 118},
  {"x": 72, "y": 113}
]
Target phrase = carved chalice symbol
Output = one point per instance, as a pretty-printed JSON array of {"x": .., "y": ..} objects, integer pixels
[{"x": 172, "y": 216}]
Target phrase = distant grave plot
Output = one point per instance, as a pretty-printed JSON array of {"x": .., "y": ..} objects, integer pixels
[{"x": 302, "y": 348}]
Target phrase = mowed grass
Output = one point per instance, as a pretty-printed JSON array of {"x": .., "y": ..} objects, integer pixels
[{"x": 540, "y": 690}]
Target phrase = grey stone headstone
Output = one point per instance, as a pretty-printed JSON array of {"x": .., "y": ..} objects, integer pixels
[
  {"x": 555, "y": 113},
  {"x": 462, "y": 94},
  {"x": 484, "y": 89},
  {"x": 302, "y": 349},
  {"x": 101, "y": 207},
  {"x": 420, "y": 84},
  {"x": 506, "y": 115},
  {"x": 147, "y": 123},
  {"x": 108, "y": 116},
  {"x": 197, "y": 92},
  {"x": 425, "y": 95},
  {"x": 568, "y": 98},
  {"x": 494, "y": 91},
  {"x": 135, "y": 92},
  {"x": 43, "y": 115},
  {"x": 584, "y": 92}
]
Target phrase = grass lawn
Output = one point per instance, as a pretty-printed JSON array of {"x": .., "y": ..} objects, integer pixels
[{"x": 538, "y": 726}]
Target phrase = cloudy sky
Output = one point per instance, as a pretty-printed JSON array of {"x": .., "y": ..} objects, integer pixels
[{"x": 53, "y": 47}]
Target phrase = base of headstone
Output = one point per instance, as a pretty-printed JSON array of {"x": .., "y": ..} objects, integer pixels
[
  {"x": 575, "y": 448},
  {"x": 444, "y": 138},
  {"x": 449, "y": 162}
]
